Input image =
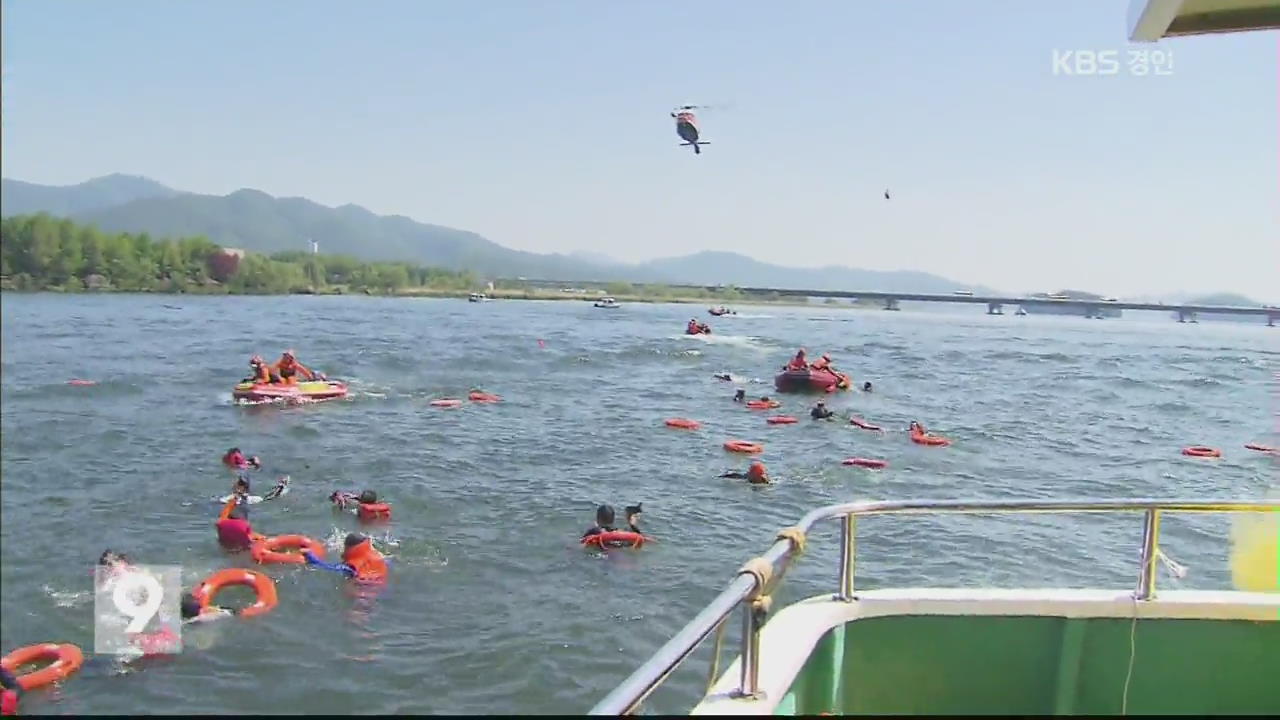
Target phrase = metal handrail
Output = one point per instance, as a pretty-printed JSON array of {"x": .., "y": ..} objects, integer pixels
[{"x": 625, "y": 698}]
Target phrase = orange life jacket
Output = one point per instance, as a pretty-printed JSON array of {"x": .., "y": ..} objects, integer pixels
[
  {"x": 756, "y": 472},
  {"x": 373, "y": 511},
  {"x": 366, "y": 561}
]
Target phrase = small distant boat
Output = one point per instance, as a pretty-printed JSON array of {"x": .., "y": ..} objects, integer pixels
[
  {"x": 965, "y": 293},
  {"x": 1021, "y": 311},
  {"x": 477, "y": 297},
  {"x": 721, "y": 311},
  {"x": 607, "y": 302}
]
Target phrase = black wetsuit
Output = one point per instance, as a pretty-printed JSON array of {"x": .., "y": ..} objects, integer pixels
[{"x": 821, "y": 413}]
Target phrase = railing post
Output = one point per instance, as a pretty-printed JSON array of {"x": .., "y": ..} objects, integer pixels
[
  {"x": 1150, "y": 552},
  {"x": 749, "y": 682},
  {"x": 848, "y": 539}
]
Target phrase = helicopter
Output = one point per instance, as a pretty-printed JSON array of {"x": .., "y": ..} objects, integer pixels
[{"x": 687, "y": 127}]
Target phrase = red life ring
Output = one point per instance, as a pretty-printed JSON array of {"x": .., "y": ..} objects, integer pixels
[
  {"x": 683, "y": 423},
  {"x": 871, "y": 463},
  {"x": 268, "y": 551},
  {"x": 370, "y": 512},
  {"x": 64, "y": 658},
  {"x": 762, "y": 405},
  {"x": 82, "y": 383},
  {"x": 1260, "y": 448},
  {"x": 615, "y": 538},
  {"x": 859, "y": 422},
  {"x": 781, "y": 420},
  {"x": 263, "y": 586},
  {"x": 446, "y": 403},
  {"x": 930, "y": 440},
  {"x": 1201, "y": 451},
  {"x": 742, "y": 446},
  {"x": 483, "y": 397}
]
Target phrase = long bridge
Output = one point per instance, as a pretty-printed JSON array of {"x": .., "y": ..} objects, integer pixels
[{"x": 995, "y": 303}]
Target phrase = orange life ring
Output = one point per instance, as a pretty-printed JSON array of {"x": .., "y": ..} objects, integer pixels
[
  {"x": 64, "y": 658},
  {"x": 268, "y": 550},
  {"x": 870, "y": 463},
  {"x": 762, "y": 405},
  {"x": 446, "y": 403},
  {"x": 263, "y": 586},
  {"x": 1260, "y": 448},
  {"x": 1201, "y": 451},
  {"x": 370, "y": 512},
  {"x": 483, "y": 397},
  {"x": 859, "y": 422},
  {"x": 742, "y": 446},
  {"x": 615, "y": 538},
  {"x": 781, "y": 420},
  {"x": 683, "y": 423},
  {"x": 930, "y": 440}
]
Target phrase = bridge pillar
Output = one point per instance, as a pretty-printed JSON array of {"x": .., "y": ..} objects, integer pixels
[
  {"x": 1271, "y": 319},
  {"x": 1187, "y": 316},
  {"x": 995, "y": 309},
  {"x": 891, "y": 304},
  {"x": 1092, "y": 311}
]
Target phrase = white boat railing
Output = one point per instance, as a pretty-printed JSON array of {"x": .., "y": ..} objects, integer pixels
[{"x": 756, "y": 580}]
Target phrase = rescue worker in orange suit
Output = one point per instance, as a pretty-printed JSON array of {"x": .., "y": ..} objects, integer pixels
[
  {"x": 822, "y": 363},
  {"x": 798, "y": 362},
  {"x": 360, "y": 560},
  {"x": 288, "y": 367}
]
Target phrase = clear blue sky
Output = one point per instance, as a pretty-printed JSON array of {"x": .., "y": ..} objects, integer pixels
[{"x": 543, "y": 125}]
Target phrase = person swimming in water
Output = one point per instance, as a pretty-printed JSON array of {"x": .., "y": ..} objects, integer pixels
[
  {"x": 192, "y": 612},
  {"x": 605, "y": 519},
  {"x": 866, "y": 386},
  {"x": 756, "y": 474},
  {"x": 821, "y": 411},
  {"x": 236, "y": 460},
  {"x": 365, "y": 505},
  {"x": 723, "y": 376},
  {"x": 740, "y": 396},
  {"x": 360, "y": 560},
  {"x": 234, "y": 530},
  {"x": 240, "y": 490}
]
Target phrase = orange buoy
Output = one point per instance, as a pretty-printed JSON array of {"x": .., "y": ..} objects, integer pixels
[
  {"x": 1260, "y": 448},
  {"x": 683, "y": 423},
  {"x": 64, "y": 659},
  {"x": 1201, "y": 451},
  {"x": 781, "y": 420},
  {"x": 871, "y": 463},
  {"x": 78, "y": 381},
  {"x": 263, "y": 586},
  {"x": 483, "y": 397},
  {"x": 742, "y": 446},
  {"x": 446, "y": 403},
  {"x": 271, "y": 550}
]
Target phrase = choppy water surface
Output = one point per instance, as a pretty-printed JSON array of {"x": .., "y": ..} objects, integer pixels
[{"x": 492, "y": 605}]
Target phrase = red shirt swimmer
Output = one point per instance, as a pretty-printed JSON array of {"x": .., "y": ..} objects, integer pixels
[{"x": 234, "y": 530}]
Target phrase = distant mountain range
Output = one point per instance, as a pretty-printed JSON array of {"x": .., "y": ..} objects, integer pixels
[{"x": 253, "y": 220}]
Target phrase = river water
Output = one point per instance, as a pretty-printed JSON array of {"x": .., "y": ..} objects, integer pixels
[{"x": 492, "y": 606}]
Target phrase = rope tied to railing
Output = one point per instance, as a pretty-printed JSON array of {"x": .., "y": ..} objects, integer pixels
[{"x": 796, "y": 535}]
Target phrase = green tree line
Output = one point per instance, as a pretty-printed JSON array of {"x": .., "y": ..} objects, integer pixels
[{"x": 39, "y": 252}]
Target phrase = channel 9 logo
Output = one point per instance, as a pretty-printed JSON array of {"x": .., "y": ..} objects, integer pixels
[{"x": 137, "y": 610}]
